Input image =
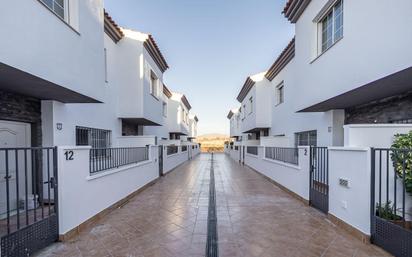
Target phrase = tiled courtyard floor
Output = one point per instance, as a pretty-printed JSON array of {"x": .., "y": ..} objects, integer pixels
[{"x": 255, "y": 218}]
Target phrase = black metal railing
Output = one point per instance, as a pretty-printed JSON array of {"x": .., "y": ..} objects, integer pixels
[
  {"x": 27, "y": 184},
  {"x": 283, "y": 154},
  {"x": 252, "y": 150},
  {"x": 391, "y": 200},
  {"x": 102, "y": 159},
  {"x": 172, "y": 149},
  {"x": 184, "y": 148}
]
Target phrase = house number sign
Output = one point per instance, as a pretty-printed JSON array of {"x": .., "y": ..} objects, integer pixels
[{"x": 69, "y": 155}]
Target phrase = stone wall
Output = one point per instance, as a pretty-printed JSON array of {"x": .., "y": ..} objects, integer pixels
[
  {"x": 15, "y": 107},
  {"x": 387, "y": 110}
]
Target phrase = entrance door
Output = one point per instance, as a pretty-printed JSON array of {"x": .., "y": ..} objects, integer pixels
[
  {"x": 28, "y": 176},
  {"x": 319, "y": 178},
  {"x": 160, "y": 160},
  {"x": 12, "y": 135}
]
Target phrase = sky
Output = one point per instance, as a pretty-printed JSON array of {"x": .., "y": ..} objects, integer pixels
[{"x": 211, "y": 46}]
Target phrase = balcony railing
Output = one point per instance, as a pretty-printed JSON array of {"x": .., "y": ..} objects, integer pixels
[
  {"x": 172, "y": 149},
  {"x": 102, "y": 159},
  {"x": 283, "y": 154},
  {"x": 252, "y": 150}
]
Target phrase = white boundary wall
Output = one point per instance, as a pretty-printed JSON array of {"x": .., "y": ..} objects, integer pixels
[
  {"x": 172, "y": 161},
  {"x": 82, "y": 196},
  {"x": 350, "y": 204},
  {"x": 293, "y": 177}
]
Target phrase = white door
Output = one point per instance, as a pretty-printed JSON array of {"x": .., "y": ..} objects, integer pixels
[{"x": 13, "y": 135}]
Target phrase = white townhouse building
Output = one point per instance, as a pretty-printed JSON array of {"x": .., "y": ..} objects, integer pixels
[
  {"x": 108, "y": 84},
  {"x": 193, "y": 121},
  {"x": 178, "y": 116},
  {"x": 83, "y": 109},
  {"x": 343, "y": 85},
  {"x": 352, "y": 68},
  {"x": 332, "y": 75},
  {"x": 234, "y": 118}
]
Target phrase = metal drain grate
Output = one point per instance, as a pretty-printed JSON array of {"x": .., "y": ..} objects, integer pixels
[{"x": 212, "y": 249}]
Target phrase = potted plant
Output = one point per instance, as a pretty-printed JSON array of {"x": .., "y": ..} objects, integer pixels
[
  {"x": 388, "y": 212},
  {"x": 402, "y": 159}
]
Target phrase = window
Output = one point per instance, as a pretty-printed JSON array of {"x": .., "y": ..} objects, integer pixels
[
  {"x": 306, "y": 138},
  {"x": 153, "y": 84},
  {"x": 56, "y": 6},
  {"x": 332, "y": 26},
  {"x": 251, "y": 105},
  {"x": 244, "y": 113},
  {"x": 96, "y": 138},
  {"x": 164, "y": 109},
  {"x": 105, "y": 65},
  {"x": 280, "y": 95}
]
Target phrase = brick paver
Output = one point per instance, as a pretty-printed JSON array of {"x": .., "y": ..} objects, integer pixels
[{"x": 255, "y": 218}]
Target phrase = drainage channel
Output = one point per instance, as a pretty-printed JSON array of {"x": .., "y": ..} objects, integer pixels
[{"x": 212, "y": 249}]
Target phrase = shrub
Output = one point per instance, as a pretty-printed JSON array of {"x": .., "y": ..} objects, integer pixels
[
  {"x": 402, "y": 159},
  {"x": 387, "y": 212}
]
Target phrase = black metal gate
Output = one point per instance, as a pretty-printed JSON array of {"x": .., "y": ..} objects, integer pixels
[
  {"x": 319, "y": 178},
  {"x": 391, "y": 200},
  {"x": 28, "y": 200},
  {"x": 160, "y": 160}
]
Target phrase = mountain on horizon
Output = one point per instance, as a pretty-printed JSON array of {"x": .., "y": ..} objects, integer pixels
[{"x": 213, "y": 135}]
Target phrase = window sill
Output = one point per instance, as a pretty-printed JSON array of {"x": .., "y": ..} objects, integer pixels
[
  {"x": 321, "y": 54},
  {"x": 60, "y": 18}
]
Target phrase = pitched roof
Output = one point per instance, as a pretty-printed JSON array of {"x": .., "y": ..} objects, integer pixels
[
  {"x": 232, "y": 112},
  {"x": 111, "y": 28},
  {"x": 294, "y": 9},
  {"x": 186, "y": 102},
  {"x": 154, "y": 51},
  {"x": 166, "y": 91},
  {"x": 284, "y": 58},
  {"x": 249, "y": 83}
]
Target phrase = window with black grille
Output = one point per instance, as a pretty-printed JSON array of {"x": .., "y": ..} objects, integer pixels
[
  {"x": 96, "y": 138},
  {"x": 306, "y": 138}
]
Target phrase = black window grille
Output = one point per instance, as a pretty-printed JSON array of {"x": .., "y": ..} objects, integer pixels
[
  {"x": 172, "y": 149},
  {"x": 252, "y": 150},
  {"x": 96, "y": 138},
  {"x": 307, "y": 138}
]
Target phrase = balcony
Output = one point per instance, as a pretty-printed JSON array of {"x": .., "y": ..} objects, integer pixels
[{"x": 40, "y": 56}]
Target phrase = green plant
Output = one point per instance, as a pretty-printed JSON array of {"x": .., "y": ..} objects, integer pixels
[
  {"x": 401, "y": 158},
  {"x": 387, "y": 212}
]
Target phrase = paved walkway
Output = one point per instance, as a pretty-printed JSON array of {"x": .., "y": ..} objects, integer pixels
[{"x": 255, "y": 218}]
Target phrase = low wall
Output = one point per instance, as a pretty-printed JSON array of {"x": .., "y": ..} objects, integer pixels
[
  {"x": 81, "y": 196},
  {"x": 350, "y": 204},
  {"x": 294, "y": 178},
  {"x": 373, "y": 135},
  {"x": 235, "y": 154},
  {"x": 172, "y": 161}
]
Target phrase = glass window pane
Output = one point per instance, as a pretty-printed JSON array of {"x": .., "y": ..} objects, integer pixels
[
  {"x": 49, "y": 3},
  {"x": 59, "y": 2}
]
